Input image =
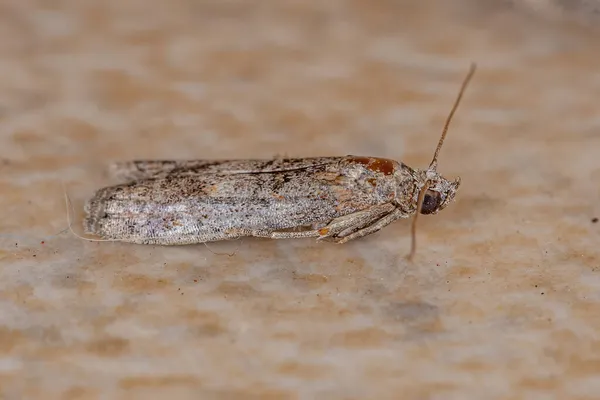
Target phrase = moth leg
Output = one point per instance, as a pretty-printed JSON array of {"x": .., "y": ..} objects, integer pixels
[
  {"x": 369, "y": 229},
  {"x": 353, "y": 222},
  {"x": 332, "y": 231},
  {"x": 291, "y": 235},
  {"x": 274, "y": 234}
]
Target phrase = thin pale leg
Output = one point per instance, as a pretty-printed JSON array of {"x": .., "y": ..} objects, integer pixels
[
  {"x": 370, "y": 229},
  {"x": 272, "y": 234},
  {"x": 350, "y": 222},
  {"x": 232, "y": 234},
  {"x": 285, "y": 235}
]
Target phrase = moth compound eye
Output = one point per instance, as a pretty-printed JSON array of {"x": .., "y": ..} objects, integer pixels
[{"x": 431, "y": 202}]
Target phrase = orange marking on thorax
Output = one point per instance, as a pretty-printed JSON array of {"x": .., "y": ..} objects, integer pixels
[
  {"x": 376, "y": 164},
  {"x": 361, "y": 160}
]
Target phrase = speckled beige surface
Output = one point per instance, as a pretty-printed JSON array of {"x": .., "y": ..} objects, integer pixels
[{"x": 502, "y": 302}]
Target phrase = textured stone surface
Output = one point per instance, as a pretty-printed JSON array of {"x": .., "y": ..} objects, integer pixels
[{"x": 503, "y": 300}]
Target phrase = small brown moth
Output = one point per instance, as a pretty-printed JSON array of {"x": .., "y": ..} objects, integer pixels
[{"x": 169, "y": 202}]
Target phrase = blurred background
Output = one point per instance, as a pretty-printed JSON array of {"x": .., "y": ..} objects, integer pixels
[{"x": 503, "y": 299}]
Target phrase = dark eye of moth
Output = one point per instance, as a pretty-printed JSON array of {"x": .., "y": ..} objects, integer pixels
[{"x": 431, "y": 202}]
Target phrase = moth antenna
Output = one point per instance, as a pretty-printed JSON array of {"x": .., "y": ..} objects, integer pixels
[
  {"x": 413, "y": 228},
  {"x": 464, "y": 85}
]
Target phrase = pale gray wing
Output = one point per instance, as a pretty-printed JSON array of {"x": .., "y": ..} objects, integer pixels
[
  {"x": 126, "y": 171},
  {"x": 182, "y": 209}
]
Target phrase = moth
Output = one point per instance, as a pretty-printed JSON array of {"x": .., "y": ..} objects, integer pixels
[{"x": 179, "y": 202}]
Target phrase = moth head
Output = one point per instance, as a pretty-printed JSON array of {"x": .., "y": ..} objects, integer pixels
[{"x": 438, "y": 194}]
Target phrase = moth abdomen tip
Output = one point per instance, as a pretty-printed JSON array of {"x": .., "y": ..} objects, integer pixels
[{"x": 95, "y": 209}]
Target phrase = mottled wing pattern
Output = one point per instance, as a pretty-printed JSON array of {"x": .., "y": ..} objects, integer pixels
[
  {"x": 184, "y": 208},
  {"x": 141, "y": 169}
]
